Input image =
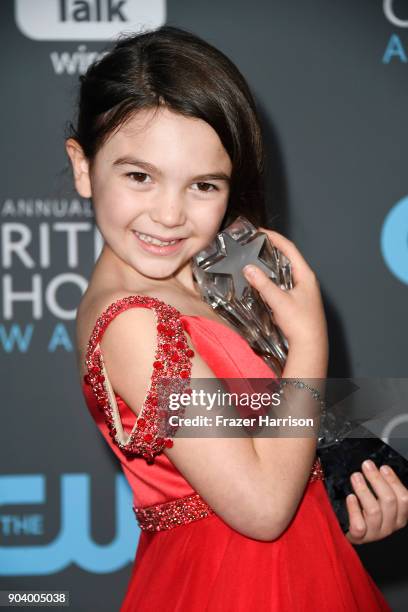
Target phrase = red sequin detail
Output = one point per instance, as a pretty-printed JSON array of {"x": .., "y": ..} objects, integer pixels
[
  {"x": 317, "y": 471},
  {"x": 149, "y": 435},
  {"x": 173, "y": 513},
  {"x": 184, "y": 510}
]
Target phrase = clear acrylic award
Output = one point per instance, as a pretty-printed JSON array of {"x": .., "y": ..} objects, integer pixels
[{"x": 218, "y": 272}]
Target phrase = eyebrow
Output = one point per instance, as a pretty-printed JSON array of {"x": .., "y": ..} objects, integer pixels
[{"x": 132, "y": 161}]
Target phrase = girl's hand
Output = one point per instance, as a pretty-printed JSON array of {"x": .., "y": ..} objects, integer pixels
[
  {"x": 380, "y": 514},
  {"x": 298, "y": 312}
]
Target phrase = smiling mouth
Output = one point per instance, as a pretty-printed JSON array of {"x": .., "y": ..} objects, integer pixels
[
  {"x": 151, "y": 240},
  {"x": 158, "y": 247}
]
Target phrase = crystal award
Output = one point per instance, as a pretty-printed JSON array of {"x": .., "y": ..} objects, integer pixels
[{"x": 218, "y": 272}]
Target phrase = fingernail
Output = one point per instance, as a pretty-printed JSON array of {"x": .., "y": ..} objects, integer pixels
[
  {"x": 249, "y": 270},
  {"x": 369, "y": 464},
  {"x": 358, "y": 478},
  {"x": 385, "y": 469}
]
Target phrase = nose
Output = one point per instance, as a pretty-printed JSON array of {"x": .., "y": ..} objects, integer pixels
[{"x": 168, "y": 209}]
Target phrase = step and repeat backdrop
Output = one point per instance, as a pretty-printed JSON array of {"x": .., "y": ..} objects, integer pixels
[{"x": 331, "y": 84}]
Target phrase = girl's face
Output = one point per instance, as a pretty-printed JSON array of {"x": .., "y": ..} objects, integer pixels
[{"x": 162, "y": 174}]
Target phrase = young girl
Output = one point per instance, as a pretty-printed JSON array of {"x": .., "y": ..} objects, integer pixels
[{"x": 168, "y": 146}]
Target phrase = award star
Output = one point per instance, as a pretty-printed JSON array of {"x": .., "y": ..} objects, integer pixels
[{"x": 237, "y": 256}]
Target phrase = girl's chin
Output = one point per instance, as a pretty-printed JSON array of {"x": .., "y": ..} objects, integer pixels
[{"x": 158, "y": 270}]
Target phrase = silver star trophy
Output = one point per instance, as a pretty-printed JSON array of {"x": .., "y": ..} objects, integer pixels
[{"x": 218, "y": 272}]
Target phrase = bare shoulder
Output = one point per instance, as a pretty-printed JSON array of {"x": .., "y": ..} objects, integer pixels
[{"x": 93, "y": 304}]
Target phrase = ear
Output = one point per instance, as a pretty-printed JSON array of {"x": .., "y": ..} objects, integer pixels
[{"x": 80, "y": 167}]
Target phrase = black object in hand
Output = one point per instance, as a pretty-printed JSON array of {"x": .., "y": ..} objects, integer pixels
[{"x": 343, "y": 458}]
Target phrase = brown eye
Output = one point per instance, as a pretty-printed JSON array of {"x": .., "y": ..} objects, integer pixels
[
  {"x": 139, "y": 176},
  {"x": 206, "y": 185}
]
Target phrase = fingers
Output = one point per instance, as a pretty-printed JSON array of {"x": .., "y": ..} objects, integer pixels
[
  {"x": 373, "y": 516},
  {"x": 300, "y": 267},
  {"x": 271, "y": 293},
  {"x": 357, "y": 525},
  {"x": 380, "y": 509},
  {"x": 370, "y": 506},
  {"x": 276, "y": 298},
  {"x": 401, "y": 493},
  {"x": 386, "y": 497}
]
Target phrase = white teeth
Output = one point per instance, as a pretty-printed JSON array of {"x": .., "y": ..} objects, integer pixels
[{"x": 150, "y": 239}]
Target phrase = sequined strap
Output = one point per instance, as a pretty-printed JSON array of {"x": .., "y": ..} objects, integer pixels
[
  {"x": 150, "y": 433},
  {"x": 184, "y": 510}
]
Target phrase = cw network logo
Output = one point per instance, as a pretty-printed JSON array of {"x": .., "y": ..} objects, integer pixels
[
  {"x": 73, "y": 544},
  {"x": 86, "y": 19},
  {"x": 394, "y": 240}
]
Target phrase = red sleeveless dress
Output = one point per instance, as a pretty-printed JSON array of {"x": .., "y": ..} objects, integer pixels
[{"x": 188, "y": 559}]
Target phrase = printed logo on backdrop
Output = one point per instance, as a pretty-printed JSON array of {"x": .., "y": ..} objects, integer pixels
[
  {"x": 396, "y": 51},
  {"x": 43, "y": 246},
  {"x": 394, "y": 240},
  {"x": 63, "y": 20},
  {"x": 86, "y": 19},
  {"x": 20, "y": 524}
]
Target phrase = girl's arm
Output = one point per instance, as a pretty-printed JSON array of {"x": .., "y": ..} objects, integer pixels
[
  {"x": 254, "y": 485},
  {"x": 372, "y": 516}
]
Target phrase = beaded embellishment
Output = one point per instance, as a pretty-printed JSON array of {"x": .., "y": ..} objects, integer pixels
[
  {"x": 172, "y": 361},
  {"x": 174, "y": 513},
  {"x": 317, "y": 471},
  {"x": 184, "y": 510}
]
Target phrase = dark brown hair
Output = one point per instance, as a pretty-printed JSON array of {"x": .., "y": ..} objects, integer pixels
[{"x": 174, "y": 67}]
